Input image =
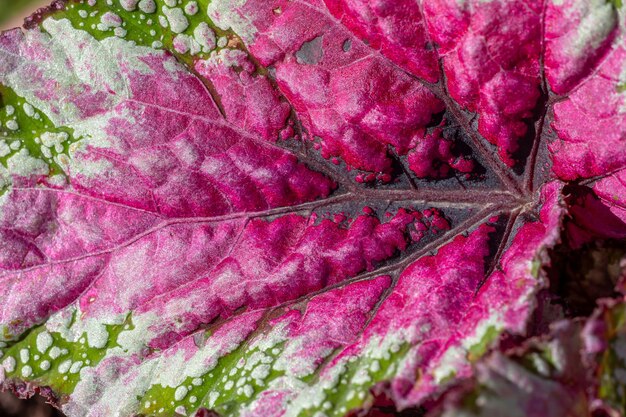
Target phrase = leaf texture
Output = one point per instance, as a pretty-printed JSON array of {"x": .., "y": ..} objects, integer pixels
[{"x": 284, "y": 208}]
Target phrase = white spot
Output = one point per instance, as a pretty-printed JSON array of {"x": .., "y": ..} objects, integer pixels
[
  {"x": 55, "y": 352},
  {"x": 248, "y": 391},
  {"x": 76, "y": 367},
  {"x": 83, "y": 13},
  {"x": 51, "y": 139},
  {"x": 222, "y": 42},
  {"x": 185, "y": 43},
  {"x": 191, "y": 8},
  {"x": 176, "y": 18},
  {"x": 196, "y": 381},
  {"x": 205, "y": 36},
  {"x": 10, "y": 110},
  {"x": 163, "y": 21},
  {"x": 45, "y": 365},
  {"x": 261, "y": 372},
  {"x": 109, "y": 20},
  {"x": 181, "y": 410},
  {"x": 226, "y": 15},
  {"x": 97, "y": 335},
  {"x": 361, "y": 377},
  {"x": 147, "y": 6},
  {"x": 180, "y": 393},
  {"x": 4, "y": 149},
  {"x": 65, "y": 366},
  {"x": 129, "y": 5},
  {"x": 44, "y": 341},
  {"x": 9, "y": 364},
  {"x": 12, "y": 125},
  {"x": 229, "y": 385},
  {"x": 29, "y": 110},
  {"x": 170, "y": 3},
  {"x": 213, "y": 396},
  {"x": 350, "y": 396},
  {"x": 24, "y": 355},
  {"x": 119, "y": 32},
  {"x": 27, "y": 371}
]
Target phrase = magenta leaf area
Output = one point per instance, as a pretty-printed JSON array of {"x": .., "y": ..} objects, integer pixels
[{"x": 294, "y": 208}]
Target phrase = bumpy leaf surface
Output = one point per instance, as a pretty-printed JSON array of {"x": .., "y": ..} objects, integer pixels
[{"x": 274, "y": 208}]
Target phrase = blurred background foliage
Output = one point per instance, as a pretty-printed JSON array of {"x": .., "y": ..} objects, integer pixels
[
  {"x": 11, "y": 406},
  {"x": 13, "y": 12}
]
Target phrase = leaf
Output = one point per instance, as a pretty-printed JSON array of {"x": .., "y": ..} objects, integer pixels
[
  {"x": 548, "y": 378},
  {"x": 577, "y": 370},
  {"x": 286, "y": 208}
]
